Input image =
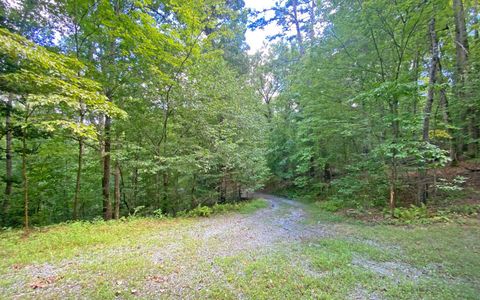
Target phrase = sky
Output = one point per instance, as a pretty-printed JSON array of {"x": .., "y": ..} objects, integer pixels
[{"x": 257, "y": 38}]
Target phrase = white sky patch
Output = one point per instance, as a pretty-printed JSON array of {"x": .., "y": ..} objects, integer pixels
[
  {"x": 257, "y": 39},
  {"x": 12, "y": 4}
]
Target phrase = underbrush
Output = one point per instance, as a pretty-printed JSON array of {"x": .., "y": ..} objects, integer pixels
[{"x": 241, "y": 207}]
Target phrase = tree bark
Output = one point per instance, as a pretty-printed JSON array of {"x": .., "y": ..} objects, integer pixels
[
  {"x": 116, "y": 213},
  {"x": 24, "y": 171},
  {"x": 432, "y": 81},
  {"x": 8, "y": 159},
  {"x": 434, "y": 63},
  {"x": 79, "y": 174},
  {"x": 461, "y": 45},
  {"x": 297, "y": 28},
  {"x": 461, "y": 39},
  {"x": 446, "y": 115},
  {"x": 475, "y": 21},
  {"x": 107, "y": 206}
]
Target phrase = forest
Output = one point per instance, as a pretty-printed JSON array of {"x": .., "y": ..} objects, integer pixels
[
  {"x": 111, "y": 107},
  {"x": 161, "y": 149}
]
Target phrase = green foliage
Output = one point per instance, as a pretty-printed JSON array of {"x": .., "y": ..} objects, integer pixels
[
  {"x": 200, "y": 211},
  {"x": 332, "y": 205},
  {"x": 454, "y": 186},
  {"x": 462, "y": 210},
  {"x": 244, "y": 207},
  {"x": 193, "y": 122},
  {"x": 411, "y": 213}
]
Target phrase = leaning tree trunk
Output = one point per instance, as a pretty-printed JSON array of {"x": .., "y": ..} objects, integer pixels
[
  {"x": 107, "y": 206},
  {"x": 8, "y": 159},
  {"x": 423, "y": 185}
]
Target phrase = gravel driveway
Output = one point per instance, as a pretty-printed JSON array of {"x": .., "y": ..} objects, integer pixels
[{"x": 174, "y": 263}]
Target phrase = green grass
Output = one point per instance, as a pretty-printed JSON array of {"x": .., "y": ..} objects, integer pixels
[
  {"x": 114, "y": 259},
  {"x": 327, "y": 272},
  {"x": 54, "y": 243},
  {"x": 249, "y": 207},
  {"x": 57, "y": 242}
]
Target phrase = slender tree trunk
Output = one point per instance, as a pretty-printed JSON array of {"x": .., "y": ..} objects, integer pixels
[
  {"x": 158, "y": 195},
  {"x": 432, "y": 81},
  {"x": 107, "y": 206},
  {"x": 434, "y": 63},
  {"x": 116, "y": 213},
  {"x": 312, "y": 21},
  {"x": 475, "y": 21},
  {"x": 297, "y": 27},
  {"x": 24, "y": 171},
  {"x": 462, "y": 47},
  {"x": 461, "y": 39},
  {"x": 8, "y": 159},
  {"x": 79, "y": 174},
  {"x": 393, "y": 186},
  {"x": 135, "y": 186},
  {"x": 446, "y": 116}
]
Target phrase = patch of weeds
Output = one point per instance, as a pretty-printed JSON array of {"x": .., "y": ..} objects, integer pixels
[
  {"x": 252, "y": 206},
  {"x": 462, "y": 210},
  {"x": 200, "y": 211},
  {"x": 331, "y": 205},
  {"x": 244, "y": 207}
]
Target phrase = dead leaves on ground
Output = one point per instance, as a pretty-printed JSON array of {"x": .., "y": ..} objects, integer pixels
[
  {"x": 43, "y": 282},
  {"x": 156, "y": 278}
]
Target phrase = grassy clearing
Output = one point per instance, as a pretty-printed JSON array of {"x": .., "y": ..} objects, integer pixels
[
  {"x": 327, "y": 269},
  {"x": 57, "y": 242},
  {"x": 356, "y": 261},
  {"x": 54, "y": 243}
]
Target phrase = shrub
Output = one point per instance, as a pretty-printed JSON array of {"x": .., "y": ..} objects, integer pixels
[
  {"x": 201, "y": 211},
  {"x": 331, "y": 205},
  {"x": 411, "y": 213}
]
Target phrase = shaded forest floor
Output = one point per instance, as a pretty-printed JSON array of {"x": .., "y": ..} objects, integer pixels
[{"x": 288, "y": 250}]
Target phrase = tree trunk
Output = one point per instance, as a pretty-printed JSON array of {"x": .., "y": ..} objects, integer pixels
[
  {"x": 135, "y": 186},
  {"x": 462, "y": 47},
  {"x": 446, "y": 116},
  {"x": 312, "y": 21},
  {"x": 461, "y": 39},
  {"x": 432, "y": 81},
  {"x": 107, "y": 206},
  {"x": 434, "y": 63},
  {"x": 475, "y": 21},
  {"x": 79, "y": 175},
  {"x": 297, "y": 27},
  {"x": 116, "y": 213},
  {"x": 24, "y": 171},
  {"x": 8, "y": 159}
]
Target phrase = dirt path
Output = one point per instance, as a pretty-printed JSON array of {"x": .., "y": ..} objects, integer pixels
[{"x": 175, "y": 263}]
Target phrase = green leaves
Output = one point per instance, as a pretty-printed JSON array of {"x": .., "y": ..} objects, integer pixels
[{"x": 49, "y": 81}]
